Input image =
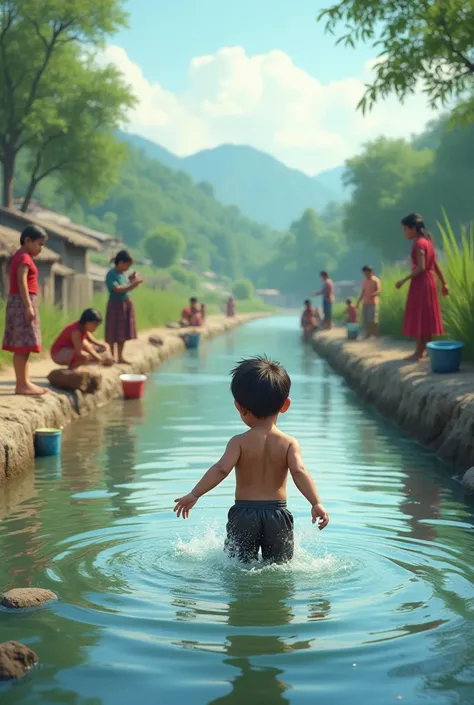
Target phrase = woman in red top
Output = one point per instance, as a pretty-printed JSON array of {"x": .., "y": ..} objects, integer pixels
[
  {"x": 422, "y": 313},
  {"x": 22, "y": 326},
  {"x": 76, "y": 345}
]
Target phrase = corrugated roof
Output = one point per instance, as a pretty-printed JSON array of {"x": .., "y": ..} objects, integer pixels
[
  {"x": 10, "y": 242},
  {"x": 66, "y": 233}
]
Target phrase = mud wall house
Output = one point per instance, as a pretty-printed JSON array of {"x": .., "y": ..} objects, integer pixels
[
  {"x": 97, "y": 275},
  {"x": 73, "y": 250},
  {"x": 52, "y": 275}
]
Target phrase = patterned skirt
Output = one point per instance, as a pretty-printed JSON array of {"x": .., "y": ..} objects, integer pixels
[
  {"x": 21, "y": 336},
  {"x": 120, "y": 323}
]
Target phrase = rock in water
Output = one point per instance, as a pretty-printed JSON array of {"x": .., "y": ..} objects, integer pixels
[
  {"x": 468, "y": 479},
  {"x": 20, "y": 598},
  {"x": 15, "y": 660}
]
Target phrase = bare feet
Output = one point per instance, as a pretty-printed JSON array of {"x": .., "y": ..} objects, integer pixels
[{"x": 31, "y": 390}]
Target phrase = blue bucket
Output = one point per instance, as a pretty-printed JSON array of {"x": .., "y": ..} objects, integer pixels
[
  {"x": 47, "y": 442},
  {"x": 193, "y": 340},
  {"x": 445, "y": 356},
  {"x": 353, "y": 330}
]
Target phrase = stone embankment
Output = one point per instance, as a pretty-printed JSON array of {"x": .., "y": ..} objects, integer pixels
[
  {"x": 437, "y": 410},
  {"x": 21, "y": 416}
]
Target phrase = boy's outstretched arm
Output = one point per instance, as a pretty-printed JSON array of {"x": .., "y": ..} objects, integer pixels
[
  {"x": 305, "y": 484},
  {"x": 211, "y": 479}
]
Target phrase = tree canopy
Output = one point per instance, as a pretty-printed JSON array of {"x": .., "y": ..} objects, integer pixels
[
  {"x": 315, "y": 242},
  {"x": 417, "y": 42},
  {"x": 164, "y": 246},
  {"x": 55, "y": 102}
]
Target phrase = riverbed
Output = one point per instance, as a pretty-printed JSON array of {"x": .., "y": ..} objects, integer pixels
[{"x": 378, "y": 608}]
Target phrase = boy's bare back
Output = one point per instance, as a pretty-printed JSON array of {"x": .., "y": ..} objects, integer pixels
[
  {"x": 262, "y": 458},
  {"x": 261, "y": 472}
]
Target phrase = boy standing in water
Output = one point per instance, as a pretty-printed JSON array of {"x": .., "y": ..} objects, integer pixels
[
  {"x": 371, "y": 288},
  {"x": 262, "y": 458}
]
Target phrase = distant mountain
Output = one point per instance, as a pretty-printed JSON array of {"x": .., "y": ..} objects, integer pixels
[
  {"x": 331, "y": 179},
  {"x": 151, "y": 149},
  {"x": 262, "y": 187}
]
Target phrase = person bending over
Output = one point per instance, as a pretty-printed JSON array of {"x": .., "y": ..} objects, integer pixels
[
  {"x": 262, "y": 458},
  {"x": 76, "y": 345}
]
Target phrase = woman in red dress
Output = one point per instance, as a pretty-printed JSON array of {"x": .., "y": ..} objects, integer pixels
[{"x": 422, "y": 313}]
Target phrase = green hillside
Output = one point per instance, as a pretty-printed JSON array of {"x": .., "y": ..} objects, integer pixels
[
  {"x": 261, "y": 186},
  {"x": 149, "y": 193}
]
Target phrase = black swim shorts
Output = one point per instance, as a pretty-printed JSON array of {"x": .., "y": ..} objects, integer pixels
[{"x": 265, "y": 525}]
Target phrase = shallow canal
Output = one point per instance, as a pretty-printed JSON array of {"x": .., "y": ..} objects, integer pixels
[{"x": 378, "y": 609}]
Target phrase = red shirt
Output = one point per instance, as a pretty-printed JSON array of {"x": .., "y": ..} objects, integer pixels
[
  {"x": 64, "y": 339},
  {"x": 352, "y": 314},
  {"x": 186, "y": 314},
  {"x": 19, "y": 259}
]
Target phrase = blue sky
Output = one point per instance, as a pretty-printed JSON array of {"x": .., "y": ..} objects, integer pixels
[
  {"x": 255, "y": 72},
  {"x": 164, "y": 36}
]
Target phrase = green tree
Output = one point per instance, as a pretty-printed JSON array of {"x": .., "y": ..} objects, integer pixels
[
  {"x": 431, "y": 43},
  {"x": 243, "y": 289},
  {"x": 40, "y": 42},
  {"x": 383, "y": 178},
  {"x": 164, "y": 246},
  {"x": 77, "y": 141}
]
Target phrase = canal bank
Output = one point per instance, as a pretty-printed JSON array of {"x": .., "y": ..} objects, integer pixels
[
  {"x": 437, "y": 410},
  {"x": 20, "y": 416}
]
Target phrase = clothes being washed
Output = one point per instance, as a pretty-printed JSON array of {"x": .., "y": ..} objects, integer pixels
[{"x": 265, "y": 525}]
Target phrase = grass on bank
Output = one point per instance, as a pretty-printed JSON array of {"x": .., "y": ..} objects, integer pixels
[
  {"x": 153, "y": 309},
  {"x": 457, "y": 262}
]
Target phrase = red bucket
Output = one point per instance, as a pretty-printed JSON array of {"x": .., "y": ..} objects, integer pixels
[{"x": 133, "y": 386}]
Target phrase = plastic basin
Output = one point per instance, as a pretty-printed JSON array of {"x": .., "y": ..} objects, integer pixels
[
  {"x": 47, "y": 442},
  {"x": 353, "y": 330},
  {"x": 133, "y": 386},
  {"x": 445, "y": 356},
  {"x": 193, "y": 340}
]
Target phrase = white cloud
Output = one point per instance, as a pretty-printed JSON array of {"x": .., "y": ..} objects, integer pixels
[{"x": 267, "y": 102}]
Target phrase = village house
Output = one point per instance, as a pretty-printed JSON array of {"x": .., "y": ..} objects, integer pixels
[{"x": 73, "y": 249}]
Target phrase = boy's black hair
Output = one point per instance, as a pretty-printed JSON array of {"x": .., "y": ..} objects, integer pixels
[
  {"x": 123, "y": 256},
  {"x": 193, "y": 300},
  {"x": 261, "y": 386},
  {"x": 323, "y": 274},
  {"x": 90, "y": 315},
  {"x": 33, "y": 232},
  {"x": 349, "y": 301},
  {"x": 367, "y": 268},
  {"x": 307, "y": 301}
]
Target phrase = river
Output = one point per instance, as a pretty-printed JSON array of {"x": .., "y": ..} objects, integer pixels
[{"x": 378, "y": 608}]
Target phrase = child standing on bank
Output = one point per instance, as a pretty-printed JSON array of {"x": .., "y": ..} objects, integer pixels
[
  {"x": 120, "y": 323},
  {"x": 22, "y": 325},
  {"x": 262, "y": 458},
  {"x": 371, "y": 288}
]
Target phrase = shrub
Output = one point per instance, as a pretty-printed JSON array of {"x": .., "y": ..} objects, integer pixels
[
  {"x": 243, "y": 289},
  {"x": 179, "y": 274},
  {"x": 164, "y": 246}
]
